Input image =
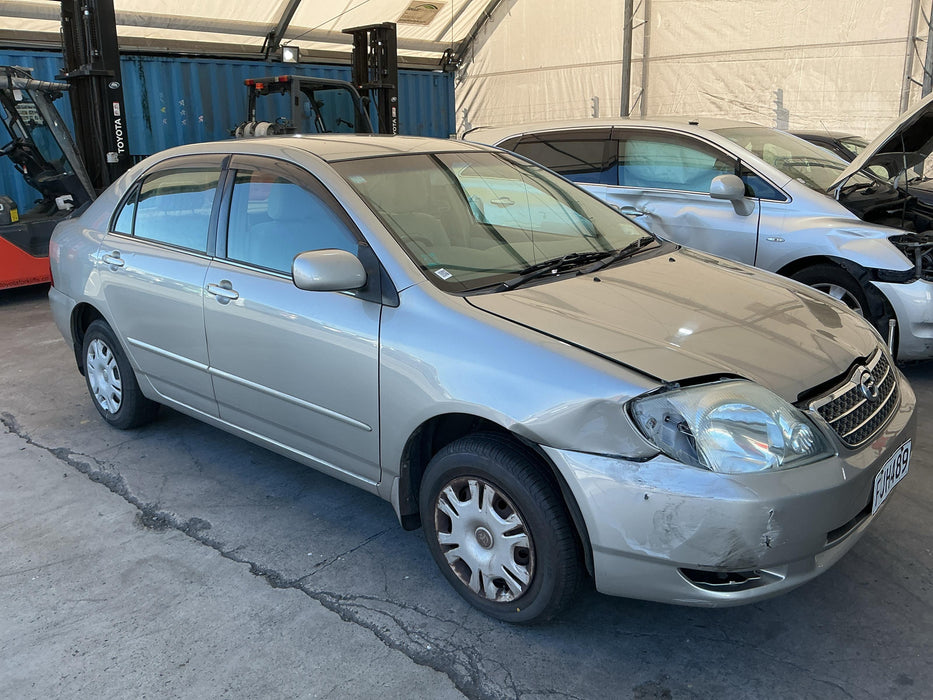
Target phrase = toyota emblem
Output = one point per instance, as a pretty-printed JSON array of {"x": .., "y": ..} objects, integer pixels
[{"x": 867, "y": 386}]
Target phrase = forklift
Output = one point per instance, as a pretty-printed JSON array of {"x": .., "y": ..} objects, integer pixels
[
  {"x": 67, "y": 172},
  {"x": 306, "y": 105}
]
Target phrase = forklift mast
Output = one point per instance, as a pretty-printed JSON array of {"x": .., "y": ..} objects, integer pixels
[
  {"x": 92, "y": 68},
  {"x": 375, "y": 71}
]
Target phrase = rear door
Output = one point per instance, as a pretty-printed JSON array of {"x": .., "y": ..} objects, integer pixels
[
  {"x": 663, "y": 182},
  {"x": 298, "y": 368},
  {"x": 151, "y": 267}
]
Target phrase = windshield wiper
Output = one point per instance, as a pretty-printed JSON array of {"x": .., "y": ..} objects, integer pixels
[
  {"x": 616, "y": 256},
  {"x": 553, "y": 266}
]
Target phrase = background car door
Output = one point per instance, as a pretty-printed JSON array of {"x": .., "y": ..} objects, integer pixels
[
  {"x": 296, "y": 367},
  {"x": 663, "y": 182},
  {"x": 152, "y": 264}
]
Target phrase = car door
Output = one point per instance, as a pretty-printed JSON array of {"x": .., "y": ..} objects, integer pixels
[
  {"x": 151, "y": 267},
  {"x": 663, "y": 183},
  {"x": 295, "y": 367}
]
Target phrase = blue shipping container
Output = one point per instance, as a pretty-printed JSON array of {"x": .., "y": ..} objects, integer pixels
[{"x": 173, "y": 101}]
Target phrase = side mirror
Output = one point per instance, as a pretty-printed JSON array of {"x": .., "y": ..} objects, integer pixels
[
  {"x": 329, "y": 270},
  {"x": 732, "y": 188}
]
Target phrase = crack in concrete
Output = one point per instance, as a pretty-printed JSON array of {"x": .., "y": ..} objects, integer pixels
[{"x": 462, "y": 665}]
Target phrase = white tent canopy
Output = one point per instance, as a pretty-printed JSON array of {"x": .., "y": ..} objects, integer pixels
[
  {"x": 425, "y": 29},
  {"x": 837, "y": 64}
]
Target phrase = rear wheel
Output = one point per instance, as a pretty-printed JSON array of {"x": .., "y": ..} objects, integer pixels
[
  {"x": 111, "y": 381},
  {"x": 498, "y": 530}
]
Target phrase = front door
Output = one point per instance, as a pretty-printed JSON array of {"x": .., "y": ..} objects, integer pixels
[
  {"x": 298, "y": 368},
  {"x": 663, "y": 184}
]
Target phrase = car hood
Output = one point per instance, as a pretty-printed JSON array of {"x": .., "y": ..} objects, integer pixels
[
  {"x": 681, "y": 315},
  {"x": 902, "y": 145}
]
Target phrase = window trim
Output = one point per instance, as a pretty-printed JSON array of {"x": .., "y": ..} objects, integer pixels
[
  {"x": 379, "y": 287},
  {"x": 183, "y": 162},
  {"x": 622, "y": 133},
  {"x": 587, "y": 133}
]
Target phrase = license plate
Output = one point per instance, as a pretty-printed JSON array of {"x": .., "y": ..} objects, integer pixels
[{"x": 893, "y": 471}]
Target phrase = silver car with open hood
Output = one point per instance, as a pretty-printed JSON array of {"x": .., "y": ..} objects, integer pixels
[
  {"x": 765, "y": 198},
  {"x": 545, "y": 388}
]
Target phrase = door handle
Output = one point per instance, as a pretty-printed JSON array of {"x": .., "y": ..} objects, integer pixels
[
  {"x": 113, "y": 259},
  {"x": 629, "y": 211},
  {"x": 223, "y": 291}
]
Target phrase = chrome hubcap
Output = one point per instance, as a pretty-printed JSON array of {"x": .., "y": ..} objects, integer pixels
[
  {"x": 484, "y": 540},
  {"x": 103, "y": 376},
  {"x": 840, "y": 294}
]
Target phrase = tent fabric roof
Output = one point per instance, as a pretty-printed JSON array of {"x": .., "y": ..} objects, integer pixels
[{"x": 424, "y": 29}]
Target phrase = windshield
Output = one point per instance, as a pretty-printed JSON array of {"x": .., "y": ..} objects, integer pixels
[
  {"x": 801, "y": 160},
  {"x": 854, "y": 144},
  {"x": 471, "y": 220}
]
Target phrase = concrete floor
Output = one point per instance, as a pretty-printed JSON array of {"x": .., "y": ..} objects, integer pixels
[{"x": 177, "y": 561}]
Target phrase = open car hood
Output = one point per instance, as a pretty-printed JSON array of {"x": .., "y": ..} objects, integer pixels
[{"x": 902, "y": 145}]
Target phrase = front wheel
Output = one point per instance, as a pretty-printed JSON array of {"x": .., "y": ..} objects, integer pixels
[
  {"x": 838, "y": 284},
  {"x": 111, "y": 381},
  {"x": 498, "y": 530}
]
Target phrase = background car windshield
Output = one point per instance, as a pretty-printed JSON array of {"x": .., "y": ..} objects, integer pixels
[
  {"x": 473, "y": 219},
  {"x": 811, "y": 165}
]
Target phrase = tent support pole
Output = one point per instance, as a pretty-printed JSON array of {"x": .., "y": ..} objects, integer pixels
[
  {"x": 909, "y": 59},
  {"x": 629, "y": 11}
]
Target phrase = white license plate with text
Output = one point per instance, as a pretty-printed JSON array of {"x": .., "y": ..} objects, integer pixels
[{"x": 893, "y": 471}]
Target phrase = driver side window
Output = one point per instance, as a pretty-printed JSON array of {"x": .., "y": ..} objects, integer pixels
[
  {"x": 669, "y": 162},
  {"x": 273, "y": 219}
]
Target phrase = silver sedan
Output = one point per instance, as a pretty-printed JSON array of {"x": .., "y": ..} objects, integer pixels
[{"x": 545, "y": 388}]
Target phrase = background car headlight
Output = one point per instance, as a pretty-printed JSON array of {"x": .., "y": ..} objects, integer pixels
[{"x": 730, "y": 427}]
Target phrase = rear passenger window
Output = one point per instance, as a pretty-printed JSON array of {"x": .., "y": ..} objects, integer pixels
[
  {"x": 581, "y": 156},
  {"x": 272, "y": 219},
  {"x": 172, "y": 207},
  {"x": 669, "y": 163}
]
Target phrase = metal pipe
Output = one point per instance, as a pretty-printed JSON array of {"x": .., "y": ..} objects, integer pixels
[
  {"x": 646, "y": 36},
  {"x": 928, "y": 61},
  {"x": 629, "y": 11},
  {"x": 909, "y": 59}
]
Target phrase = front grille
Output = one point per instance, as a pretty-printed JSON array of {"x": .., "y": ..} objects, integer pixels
[{"x": 853, "y": 410}]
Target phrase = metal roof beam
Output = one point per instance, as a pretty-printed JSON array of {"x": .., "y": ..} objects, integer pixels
[
  {"x": 274, "y": 38},
  {"x": 51, "y": 11},
  {"x": 484, "y": 17}
]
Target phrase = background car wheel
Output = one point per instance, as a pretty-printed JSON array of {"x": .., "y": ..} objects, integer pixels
[
  {"x": 111, "y": 381},
  {"x": 498, "y": 530},
  {"x": 838, "y": 284}
]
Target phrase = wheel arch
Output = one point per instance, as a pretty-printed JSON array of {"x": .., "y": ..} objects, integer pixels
[
  {"x": 879, "y": 307},
  {"x": 434, "y": 434},
  {"x": 857, "y": 271},
  {"x": 82, "y": 316}
]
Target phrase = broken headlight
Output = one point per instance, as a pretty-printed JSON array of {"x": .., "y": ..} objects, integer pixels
[{"x": 731, "y": 427}]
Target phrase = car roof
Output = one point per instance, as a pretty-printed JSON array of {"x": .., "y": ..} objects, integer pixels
[
  {"x": 329, "y": 147},
  {"x": 822, "y": 133},
  {"x": 698, "y": 125}
]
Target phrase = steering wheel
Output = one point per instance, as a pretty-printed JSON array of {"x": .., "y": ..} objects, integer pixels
[{"x": 11, "y": 146}]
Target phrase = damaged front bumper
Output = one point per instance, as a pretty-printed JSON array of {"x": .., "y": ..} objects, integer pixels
[
  {"x": 913, "y": 307},
  {"x": 663, "y": 531}
]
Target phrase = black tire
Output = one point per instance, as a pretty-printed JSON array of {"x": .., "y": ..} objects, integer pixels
[
  {"x": 111, "y": 381},
  {"x": 541, "y": 547},
  {"x": 838, "y": 284}
]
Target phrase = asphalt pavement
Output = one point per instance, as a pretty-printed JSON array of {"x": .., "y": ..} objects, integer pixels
[{"x": 178, "y": 561}]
